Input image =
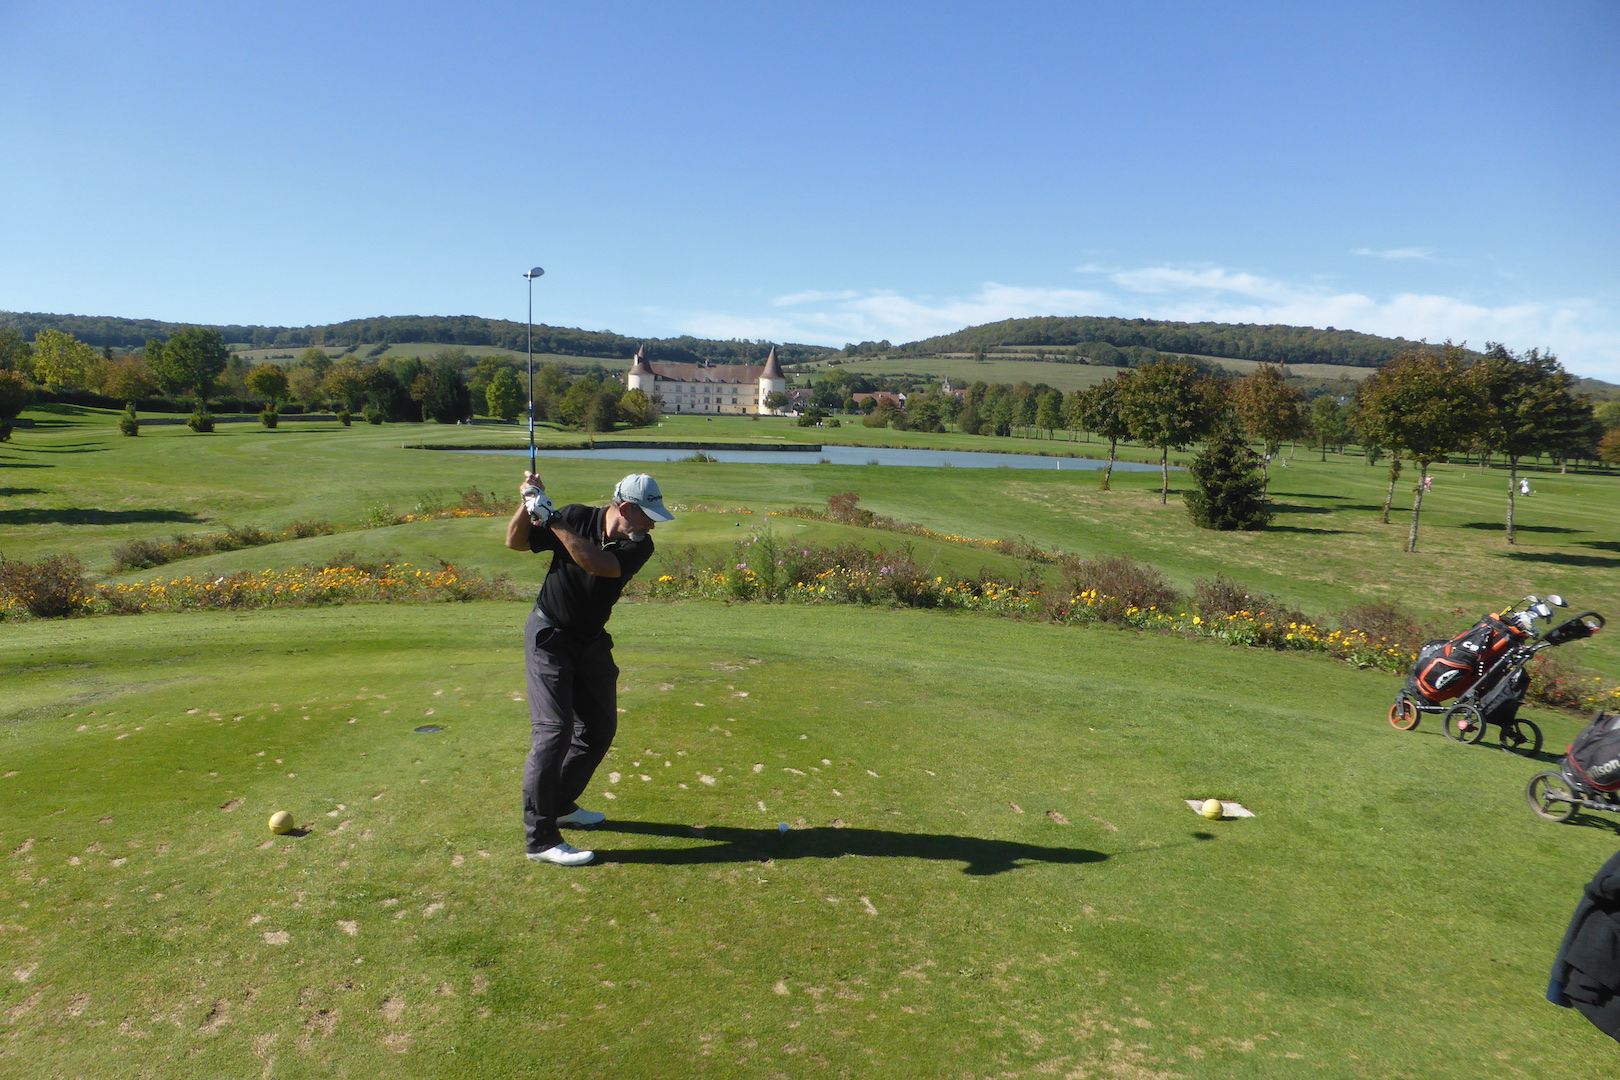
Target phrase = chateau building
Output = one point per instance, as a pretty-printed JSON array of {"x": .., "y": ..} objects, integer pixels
[{"x": 716, "y": 389}]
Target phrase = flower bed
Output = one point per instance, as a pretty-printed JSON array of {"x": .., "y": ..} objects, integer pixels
[{"x": 303, "y": 586}]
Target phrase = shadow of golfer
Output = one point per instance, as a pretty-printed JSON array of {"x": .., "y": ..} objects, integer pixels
[{"x": 731, "y": 845}]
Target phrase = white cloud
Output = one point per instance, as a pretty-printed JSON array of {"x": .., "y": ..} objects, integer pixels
[
  {"x": 1584, "y": 333},
  {"x": 1397, "y": 253},
  {"x": 812, "y": 296}
]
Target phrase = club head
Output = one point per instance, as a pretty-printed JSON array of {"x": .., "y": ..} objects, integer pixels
[
  {"x": 1555, "y": 600},
  {"x": 536, "y": 272},
  {"x": 1542, "y": 611}
]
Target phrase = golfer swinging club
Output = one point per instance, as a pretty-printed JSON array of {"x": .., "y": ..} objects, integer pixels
[{"x": 568, "y": 652}]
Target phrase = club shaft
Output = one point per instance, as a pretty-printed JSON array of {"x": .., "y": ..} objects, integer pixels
[{"x": 531, "y": 374}]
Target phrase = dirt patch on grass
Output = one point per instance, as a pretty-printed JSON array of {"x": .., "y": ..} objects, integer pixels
[
  {"x": 23, "y": 1007},
  {"x": 217, "y": 1017}
]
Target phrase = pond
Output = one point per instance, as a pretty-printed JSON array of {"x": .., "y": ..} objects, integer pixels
[{"x": 840, "y": 455}]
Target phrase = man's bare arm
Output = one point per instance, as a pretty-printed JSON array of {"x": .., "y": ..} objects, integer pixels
[
  {"x": 517, "y": 530},
  {"x": 590, "y": 558}
]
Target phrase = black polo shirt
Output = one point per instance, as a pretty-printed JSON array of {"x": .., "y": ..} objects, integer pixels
[{"x": 572, "y": 599}]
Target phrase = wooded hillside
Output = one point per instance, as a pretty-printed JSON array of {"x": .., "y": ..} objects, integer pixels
[
  {"x": 1266, "y": 344},
  {"x": 1242, "y": 341},
  {"x": 119, "y": 333}
]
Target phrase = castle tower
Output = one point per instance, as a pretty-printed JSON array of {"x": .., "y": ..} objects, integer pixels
[
  {"x": 641, "y": 373},
  {"x": 771, "y": 381}
]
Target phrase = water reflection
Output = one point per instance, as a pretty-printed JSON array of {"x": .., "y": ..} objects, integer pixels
[{"x": 840, "y": 455}]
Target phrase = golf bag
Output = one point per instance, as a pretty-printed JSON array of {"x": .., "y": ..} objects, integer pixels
[
  {"x": 1593, "y": 759},
  {"x": 1500, "y": 704},
  {"x": 1449, "y": 669}
]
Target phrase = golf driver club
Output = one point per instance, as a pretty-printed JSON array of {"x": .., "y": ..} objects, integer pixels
[{"x": 530, "y": 276}]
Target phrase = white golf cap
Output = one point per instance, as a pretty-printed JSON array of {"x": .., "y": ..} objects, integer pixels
[{"x": 641, "y": 489}]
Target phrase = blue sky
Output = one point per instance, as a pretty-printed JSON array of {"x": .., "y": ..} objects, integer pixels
[{"x": 825, "y": 172}]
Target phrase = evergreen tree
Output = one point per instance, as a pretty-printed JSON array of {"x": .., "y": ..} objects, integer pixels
[{"x": 1229, "y": 492}]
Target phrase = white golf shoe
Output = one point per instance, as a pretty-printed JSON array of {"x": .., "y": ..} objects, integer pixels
[
  {"x": 564, "y": 854},
  {"x": 582, "y": 816}
]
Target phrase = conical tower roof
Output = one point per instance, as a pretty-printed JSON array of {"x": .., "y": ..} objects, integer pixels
[
  {"x": 773, "y": 369},
  {"x": 640, "y": 366}
]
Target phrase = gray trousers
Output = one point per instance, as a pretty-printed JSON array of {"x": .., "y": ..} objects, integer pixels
[{"x": 573, "y": 716}]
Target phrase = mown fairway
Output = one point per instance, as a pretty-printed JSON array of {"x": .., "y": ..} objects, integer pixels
[
  {"x": 989, "y": 871},
  {"x": 76, "y": 485}
]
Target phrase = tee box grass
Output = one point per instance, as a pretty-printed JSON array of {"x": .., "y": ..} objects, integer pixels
[
  {"x": 989, "y": 868},
  {"x": 989, "y": 865}
]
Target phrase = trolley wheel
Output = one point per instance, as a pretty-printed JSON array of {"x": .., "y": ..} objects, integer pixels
[
  {"x": 1464, "y": 724},
  {"x": 1521, "y": 737},
  {"x": 1403, "y": 715},
  {"x": 1541, "y": 797}
]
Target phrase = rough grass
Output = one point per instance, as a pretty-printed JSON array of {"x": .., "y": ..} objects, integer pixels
[{"x": 989, "y": 867}]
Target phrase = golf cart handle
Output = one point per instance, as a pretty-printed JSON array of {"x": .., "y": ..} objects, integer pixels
[{"x": 1581, "y": 626}]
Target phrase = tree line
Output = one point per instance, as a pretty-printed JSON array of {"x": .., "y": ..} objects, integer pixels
[
  {"x": 1423, "y": 406},
  {"x": 195, "y": 365},
  {"x": 464, "y": 330},
  {"x": 1088, "y": 339}
]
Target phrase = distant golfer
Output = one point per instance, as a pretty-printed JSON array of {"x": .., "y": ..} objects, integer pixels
[{"x": 573, "y": 689}]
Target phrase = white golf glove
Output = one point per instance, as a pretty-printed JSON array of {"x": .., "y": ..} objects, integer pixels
[{"x": 538, "y": 504}]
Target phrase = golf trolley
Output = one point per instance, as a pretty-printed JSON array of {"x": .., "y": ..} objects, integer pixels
[
  {"x": 1478, "y": 679},
  {"x": 1588, "y": 778}
]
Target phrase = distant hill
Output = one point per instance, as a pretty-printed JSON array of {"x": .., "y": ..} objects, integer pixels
[
  {"x": 107, "y": 331},
  {"x": 1239, "y": 341},
  {"x": 1093, "y": 336}
]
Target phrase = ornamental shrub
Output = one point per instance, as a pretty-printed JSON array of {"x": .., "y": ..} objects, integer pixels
[
  {"x": 201, "y": 420},
  {"x": 52, "y": 588},
  {"x": 1120, "y": 579},
  {"x": 269, "y": 417},
  {"x": 1383, "y": 621},
  {"x": 128, "y": 423}
]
